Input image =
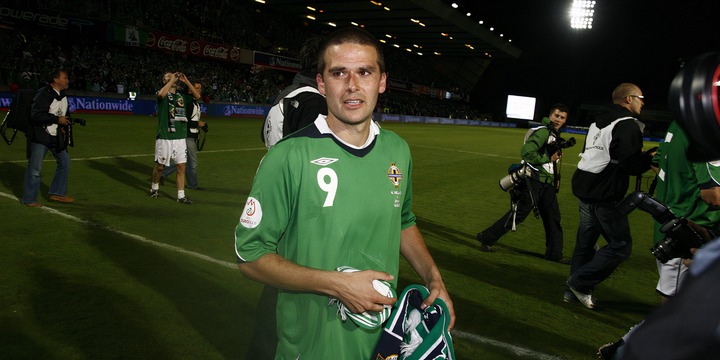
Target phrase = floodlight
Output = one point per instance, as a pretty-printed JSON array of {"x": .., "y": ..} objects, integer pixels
[{"x": 581, "y": 14}]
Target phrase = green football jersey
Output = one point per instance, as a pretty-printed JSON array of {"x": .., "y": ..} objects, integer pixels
[
  {"x": 173, "y": 116},
  {"x": 680, "y": 181},
  {"x": 323, "y": 204}
]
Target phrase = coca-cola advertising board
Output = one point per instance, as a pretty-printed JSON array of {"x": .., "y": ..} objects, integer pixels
[{"x": 191, "y": 47}]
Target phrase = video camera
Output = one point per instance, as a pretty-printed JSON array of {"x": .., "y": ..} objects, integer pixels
[{"x": 680, "y": 237}]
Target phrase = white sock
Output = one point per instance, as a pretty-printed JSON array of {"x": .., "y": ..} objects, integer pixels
[
  {"x": 181, "y": 194},
  {"x": 155, "y": 186}
]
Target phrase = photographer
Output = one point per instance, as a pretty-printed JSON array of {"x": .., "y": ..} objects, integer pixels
[
  {"x": 688, "y": 189},
  {"x": 611, "y": 153},
  {"x": 686, "y": 326},
  {"x": 541, "y": 152},
  {"x": 49, "y": 118}
]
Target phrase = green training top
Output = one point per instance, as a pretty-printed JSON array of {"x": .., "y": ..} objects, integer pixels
[
  {"x": 323, "y": 204},
  {"x": 680, "y": 181}
]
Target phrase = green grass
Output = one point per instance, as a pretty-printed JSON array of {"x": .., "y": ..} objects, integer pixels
[{"x": 84, "y": 285}]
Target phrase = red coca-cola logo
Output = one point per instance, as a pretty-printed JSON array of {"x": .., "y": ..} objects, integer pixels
[
  {"x": 218, "y": 52},
  {"x": 150, "y": 42},
  {"x": 235, "y": 54},
  {"x": 194, "y": 47},
  {"x": 177, "y": 45}
]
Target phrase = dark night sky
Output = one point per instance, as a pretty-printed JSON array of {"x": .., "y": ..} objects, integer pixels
[{"x": 635, "y": 41}]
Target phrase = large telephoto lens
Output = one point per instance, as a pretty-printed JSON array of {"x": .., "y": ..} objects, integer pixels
[{"x": 693, "y": 97}]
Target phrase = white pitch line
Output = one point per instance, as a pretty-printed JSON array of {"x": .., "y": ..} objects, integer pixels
[
  {"x": 132, "y": 236},
  {"x": 476, "y": 153},
  {"x": 516, "y": 350},
  {"x": 455, "y": 333},
  {"x": 135, "y": 155}
]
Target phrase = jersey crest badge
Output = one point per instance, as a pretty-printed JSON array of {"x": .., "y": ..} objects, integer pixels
[{"x": 394, "y": 175}]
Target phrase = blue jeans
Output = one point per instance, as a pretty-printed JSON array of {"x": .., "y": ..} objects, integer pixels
[
  {"x": 589, "y": 267},
  {"x": 33, "y": 173},
  {"x": 191, "y": 179}
]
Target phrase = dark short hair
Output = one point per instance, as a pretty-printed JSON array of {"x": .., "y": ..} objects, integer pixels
[
  {"x": 308, "y": 54},
  {"x": 560, "y": 107},
  {"x": 351, "y": 35},
  {"x": 54, "y": 74}
]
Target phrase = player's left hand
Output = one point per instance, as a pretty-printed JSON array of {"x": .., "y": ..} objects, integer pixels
[{"x": 437, "y": 290}]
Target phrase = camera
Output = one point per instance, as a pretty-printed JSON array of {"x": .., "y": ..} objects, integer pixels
[
  {"x": 680, "y": 237},
  {"x": 516, "y": 175},
  {"x": 78, "y": 121},
  {"x": 693, "y": 97},
  {"x": 561, "y": 144},
  {"x": 205, "y": 127}
]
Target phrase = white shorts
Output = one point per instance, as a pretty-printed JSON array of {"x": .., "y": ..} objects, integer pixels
[
  {"x": 672, "y": 274},
  {"x": 166, "y": 150}
]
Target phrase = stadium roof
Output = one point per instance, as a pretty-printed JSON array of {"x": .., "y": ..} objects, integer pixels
[{"x": 432, "y": 28}]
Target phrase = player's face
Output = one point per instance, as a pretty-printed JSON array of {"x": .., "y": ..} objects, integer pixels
[
  {"x": 351, "y": 82},
  {"x": 558, "y": 119}
]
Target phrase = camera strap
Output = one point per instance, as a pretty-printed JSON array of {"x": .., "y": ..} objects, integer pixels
[
  {"x": 201, "y": 143},
  {"x": 535, "y": 210}
]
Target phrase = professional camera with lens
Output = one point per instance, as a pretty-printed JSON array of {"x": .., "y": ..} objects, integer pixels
[
  {"x": 516, "y": 175},
  {"x": 680, "y": 237},
  {"x": 78, "y": 121},
  {"x": 561, "y": 144}
]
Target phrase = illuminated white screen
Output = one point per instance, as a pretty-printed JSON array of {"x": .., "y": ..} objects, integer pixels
[{"x": 520, "y": 107}]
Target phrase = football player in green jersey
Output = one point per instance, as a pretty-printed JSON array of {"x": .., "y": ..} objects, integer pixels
[{"x": 337, "y": 193}]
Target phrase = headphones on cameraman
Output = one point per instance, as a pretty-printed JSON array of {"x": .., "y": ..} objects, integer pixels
[{"x": 694, "y": 98}]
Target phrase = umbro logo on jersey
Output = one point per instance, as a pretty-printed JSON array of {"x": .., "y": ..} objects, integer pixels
[{"x": 323, "y": 161}]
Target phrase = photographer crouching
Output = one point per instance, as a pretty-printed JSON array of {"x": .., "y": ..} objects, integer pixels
[
  {"x": 50, "y": 126},
  {"x": 534, "y": 184}
]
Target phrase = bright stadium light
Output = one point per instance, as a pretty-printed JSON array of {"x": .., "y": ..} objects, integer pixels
[{"x": 581, "y": 14}]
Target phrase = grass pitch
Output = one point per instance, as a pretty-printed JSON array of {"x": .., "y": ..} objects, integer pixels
[{"x": 118, "y": 274}]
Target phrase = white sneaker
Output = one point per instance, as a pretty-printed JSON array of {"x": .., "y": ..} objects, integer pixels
[{"x": 585, "y": 299}]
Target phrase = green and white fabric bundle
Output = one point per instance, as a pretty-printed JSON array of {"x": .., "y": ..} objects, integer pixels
[{"x": 368, "y": 319}]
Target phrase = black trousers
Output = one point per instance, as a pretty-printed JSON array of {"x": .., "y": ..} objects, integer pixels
[{"x": 546, "y": 200}]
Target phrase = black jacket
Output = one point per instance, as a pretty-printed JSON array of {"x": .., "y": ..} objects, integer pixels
[
  {"x": 611, "y": 184},
  {"x": 40, "y": 117},
  {"x": 308, "y": 104}
]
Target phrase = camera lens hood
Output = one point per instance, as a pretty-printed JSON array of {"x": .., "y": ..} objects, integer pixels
[{"x": 693, "y": 98}]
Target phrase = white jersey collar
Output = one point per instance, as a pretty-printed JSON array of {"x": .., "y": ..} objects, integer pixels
[{"x": 321, "y": 124}]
